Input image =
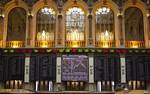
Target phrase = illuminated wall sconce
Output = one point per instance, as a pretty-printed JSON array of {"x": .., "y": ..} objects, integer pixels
[
  {"x": 74, "y": 38},
  {"x": 119, "y": 14},
  {"x": 45, "y": 39},
  {"x": 103, "y": 10},
  {"x": 148, "y": 15},
  {"x": 30, "y": 15},
  {"x": 2, "y": 16},
  {"x": 105, "y": 39}
]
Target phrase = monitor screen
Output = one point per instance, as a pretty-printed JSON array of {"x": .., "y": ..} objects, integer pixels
[{"x": 75, "y": 68}]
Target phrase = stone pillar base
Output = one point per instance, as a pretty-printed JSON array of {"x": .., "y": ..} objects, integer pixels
[
  {"x": 1, "y": 85},
  {"x": 148, "y": 86},
  {"x": 92, "y": 87},
  {"x": 58, "y": 87},
  {"x": 29, "y": 86}
]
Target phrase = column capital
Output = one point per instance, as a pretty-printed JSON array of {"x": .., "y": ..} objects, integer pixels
[
  {"x": 148, "y": 13},
  {"x": 120, "y": 14},
  {"x": 148, "y": 16},
  {"x": 1, "y": 13},
  {"x": 30, "y": 14},
  {"x": 60, "y": 15},
  {"x": 90, "y": 16}
]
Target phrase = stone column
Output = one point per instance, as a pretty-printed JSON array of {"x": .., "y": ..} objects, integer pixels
[
  {"x": 146, "y": 31},
  {"x": 27, "y": 68},
  {"x": 28, "y": 41},
  {"x": 1, "y": 36},
  {"x": 60, "y": 31},
  {"x": 123, "y": 68},
  {"x": 1, "y": 26},
  {"x": 58, "y": 73},
  {"x": 148, "y": 83},
  {"x": 91, "y": 73},
  {"x": 148, "y": 27},
  {"x": 90, "y": 38},
  {"x": 27, "y": 84},
  {"x": 99, "y": 86},
  {"x": 121, "y": 34}
]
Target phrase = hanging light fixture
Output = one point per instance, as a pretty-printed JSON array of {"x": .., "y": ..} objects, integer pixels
[
  {"x": 103, "y": 10},
  {"x": 47, "y": 11},
  {"x": 106, "y": 36},
  {"x": 44, "y": 36}
]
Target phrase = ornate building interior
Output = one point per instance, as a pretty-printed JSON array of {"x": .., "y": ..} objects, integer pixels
[{"x": 75, "y": 45}]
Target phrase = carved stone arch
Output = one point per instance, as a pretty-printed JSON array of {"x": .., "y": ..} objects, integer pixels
[
  {"x": 81, "y": 4},
  {"x": 12, "y": 4},
  {"x": 41, "y": 3},
  {"x": 143, "y": 8},
  {"x": 16, "y": 26},
  {"x": 134, "y": 26},
  {"x": 36, "y": 7},
  {"x": 113, "y": 6},
  {"x": 78, "y": 3},
  {"x": 138, "y": 4},
  {"x": 8, "y": 7}
]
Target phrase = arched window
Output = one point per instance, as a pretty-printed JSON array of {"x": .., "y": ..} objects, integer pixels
[
  {"x": 75, "y": 27},
  {"x": 134, "y": 27},
  {"x": 104, "y": 27},
  {"x": 16, "y": 30},
  {"x": 45, "y": 27}
]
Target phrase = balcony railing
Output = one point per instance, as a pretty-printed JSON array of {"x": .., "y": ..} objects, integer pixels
[
  {"x": 75, "y": 43},
  {"x": 15, "y": 44},
  {"x": 135, "y": 44},
  {"x": 105, "y": 44},
  {"x": 44, "y": 44}
]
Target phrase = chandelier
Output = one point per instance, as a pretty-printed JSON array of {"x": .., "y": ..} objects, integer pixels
[
  {"x": 106, "y": 36},
  {"x": 75, "y": 35},
  {"x": 48, "y": 11},
  {"x": 45, "y": 36},
  {"x": 103, "y": 10},
  {"x": 105, "y": 39}
]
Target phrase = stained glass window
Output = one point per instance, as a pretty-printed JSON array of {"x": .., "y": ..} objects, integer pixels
[
  {"x": 75, "y": 23},
  {"x": 104, "y": 24},
  {"x": 46, "y": 22}
]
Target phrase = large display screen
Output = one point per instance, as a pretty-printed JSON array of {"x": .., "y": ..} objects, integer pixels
[{"x": 75, "y": 68}]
